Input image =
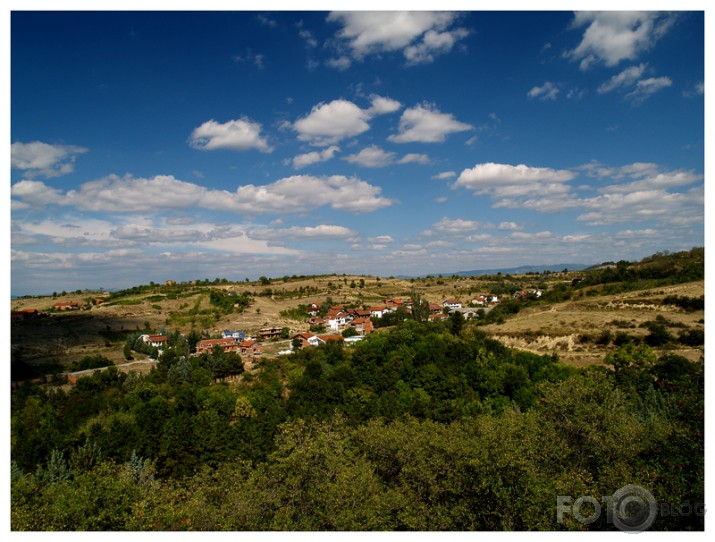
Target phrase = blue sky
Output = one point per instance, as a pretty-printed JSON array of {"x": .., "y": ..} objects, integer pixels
[{"x": 157, "y": 145}]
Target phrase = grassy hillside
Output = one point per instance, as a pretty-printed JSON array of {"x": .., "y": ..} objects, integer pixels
[{"x": 569, "y": 318}]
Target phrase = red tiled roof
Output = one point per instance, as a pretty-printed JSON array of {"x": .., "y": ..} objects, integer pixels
[{"x": 327, "y": 338}]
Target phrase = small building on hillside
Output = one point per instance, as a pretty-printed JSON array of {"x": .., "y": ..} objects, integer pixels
[
  {"x": 228, "y": 334},
  {"x": 362, "y": 325},
  {"x": 305, "y": 339},
  {"x": 267, "y": 333},
  {"x": 207, "y": 345},
  {"x": 158, "y": 341},
  {"x": 250, "y": 348},
  {"x": 66, "y": 306},
  {"x": 24, "y": 314},
  {"x": 452, "y": 303}
]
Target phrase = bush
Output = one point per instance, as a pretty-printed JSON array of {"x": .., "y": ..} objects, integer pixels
[
  {"x": 692, "y": 337},
  {"x": 90, "y": 362}
]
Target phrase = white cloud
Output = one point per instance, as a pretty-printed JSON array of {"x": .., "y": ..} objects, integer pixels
[
  {"x": 479, "y": 238},
  {"x": 314, "y": 157},
  {"x": 509, "y": 226},
  {"x": 648, "y": 232},
  {"x": 644, "y": 196},
  {"x": 298, "y": 193},
  {"x": 427, "y": 124},
  {"x": 251, "y": 57},
  {"x": 309, "y": 38},
  {"x": 414, "y": 158},
  {"x": 381, "y": 105},
  {"x": 580, "y": 238},
  {"x": 645, "y": 205},
  {"x": 433, "y": 43},
  {"x": 444, "y": 175},
  {"x": 323, "y": 231},
  {"x": 238, "y": 135},
  {"x": 524, "y": 236},
  {"x": 614, "y": 36},
  {"x": 455, "y": 226},
  {"x": 340, "y": 63},
  {"x": 548, "y": 91},
  {"x": 506, "y": 181},
  {"x": 634, "y": 171},
  {"x": 38, "y": 159},
  {"x": 381, "y": 239},
  {"x": 651, "y": 179},
  {"x": 626, "y": 78},
  {"x": 647, "y": 87},
  {"x": 328, "y": 123},
  {"x": 421, "y": 35},
  {"x": 372, "y": 156},
  {"x": 36, "y": 193}
]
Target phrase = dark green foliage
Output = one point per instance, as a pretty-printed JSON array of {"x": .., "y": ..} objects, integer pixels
[
  {"x": 90, "y": 362},
  {"x": 390, "y": 318},
  {"x": 692, "y": 337},
  {"x": 658, "y": 334},
  {"x": 416, "y": 429},
  {"x": 228, "y": 302},
  {"x": 685, "y": 302}
]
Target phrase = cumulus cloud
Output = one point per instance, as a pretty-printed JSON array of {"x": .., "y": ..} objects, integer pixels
[
  {"x": 420, "y": 35},
  {"x": 314, "y": 157},
  {"x": 645, "y": 205},
  {"x": 507, "y": 181},
  {"x": 36, "y": 193},
  {"x": 238, "y": 135},
  {"x": 381, "y": 105},
  {"x": 328, "y": 123},
  {"x": 455, "y": 226},
  {"x": 38, "y": 159},
  {"x": 414, "y": 158},
  {"x": 509, "y": 226},
  {"x": 444, "y": 175},
  {"x": 548, "y": 91},
  {"x": 637, "y": 192},
  {"x": 614, "y": 36},
  {"x": 372, "y": 156},
  {"x": 298, "y": 193},
  {"x": 426, "y": 124}
]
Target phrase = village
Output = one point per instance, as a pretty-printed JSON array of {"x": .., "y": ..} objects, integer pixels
[{"x": 321, "y": 322}]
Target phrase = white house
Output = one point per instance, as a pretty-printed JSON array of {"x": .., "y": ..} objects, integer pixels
[
  {"x": 452, "y": 303},
  {"x": 156, "y": 341},
  {"x": 339, "y": 320},
  {"x": 378, "y": 312}
]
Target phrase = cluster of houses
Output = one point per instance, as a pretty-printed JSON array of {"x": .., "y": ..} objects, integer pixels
[
  {"x": 232, "y": 341},
  {"x": 338, "y": 318}
]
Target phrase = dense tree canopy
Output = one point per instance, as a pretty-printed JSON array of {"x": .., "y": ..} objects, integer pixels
[{"x": 429, "y": 426}]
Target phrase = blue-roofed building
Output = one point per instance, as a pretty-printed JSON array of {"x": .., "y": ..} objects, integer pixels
[{"x": 228, "y": 334}]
